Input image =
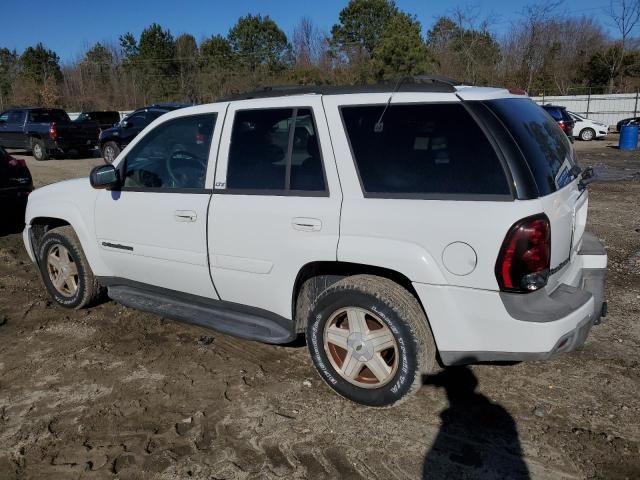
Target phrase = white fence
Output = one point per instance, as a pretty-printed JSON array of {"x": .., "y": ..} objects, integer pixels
[{"x": 608, "y": 108}]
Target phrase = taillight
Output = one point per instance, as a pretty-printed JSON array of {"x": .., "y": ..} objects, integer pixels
[
  {"x": 17, "y": 162},
  {"x": 517, "y": 91},
  {"x": 523, "y": 262},
  {"x": 53, "y": 131}
]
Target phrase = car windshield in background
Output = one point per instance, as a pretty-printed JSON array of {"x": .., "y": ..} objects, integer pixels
[
  {"x": 46, "y": 116},
  {"x": 545, "y": 146}
]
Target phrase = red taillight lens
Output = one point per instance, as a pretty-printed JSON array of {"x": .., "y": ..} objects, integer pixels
[
  {"x": 53, "y": 131},
  {"x": 517, "y": 91},
  {"x": 17, "y": 162},
  {"x": 523, "y": 262}
]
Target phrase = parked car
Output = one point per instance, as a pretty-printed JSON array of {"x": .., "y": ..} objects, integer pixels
[
  {"x": 562, "y": 118},
  {"x": 113, "y": 140},
  {"x": 45, "y": 131},
  {"x": 365, "y": 230},
  {"x": 104, "y": 119},
  {"x": 627, "y": 121},
  {"x": 586, "y": 129},
  {"x": 15, "y": 186}
]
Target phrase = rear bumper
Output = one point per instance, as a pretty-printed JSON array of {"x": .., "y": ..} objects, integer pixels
[{"x": 471, "y": 325}]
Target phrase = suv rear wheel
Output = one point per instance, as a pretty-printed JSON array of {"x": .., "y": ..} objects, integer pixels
[
  {"x": 370, "y": 340},
  {"x": 39, "y": 150},
  {"x": 65, "y": 269}
]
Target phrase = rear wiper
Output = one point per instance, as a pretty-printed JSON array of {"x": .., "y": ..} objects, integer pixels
[{"x": 586, "y": 177}]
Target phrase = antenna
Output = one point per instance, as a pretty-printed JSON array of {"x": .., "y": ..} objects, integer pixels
[{"x": 379, "y": 126}]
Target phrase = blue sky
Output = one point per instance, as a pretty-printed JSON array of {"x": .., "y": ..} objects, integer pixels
[{"x": 70, "y": 26}]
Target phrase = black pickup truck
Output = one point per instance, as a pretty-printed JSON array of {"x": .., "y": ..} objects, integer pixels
[{"x": 46, "y": 131}]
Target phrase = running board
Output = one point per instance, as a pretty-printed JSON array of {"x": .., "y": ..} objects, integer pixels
[{"x": 225, "y": 317}]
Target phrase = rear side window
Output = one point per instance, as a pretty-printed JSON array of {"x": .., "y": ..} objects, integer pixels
[
  {"x": 46, "y": 116},
  {"x": 16, "y": 117},
  {"x": 275, "y": 150},
  {"x": 422, "y": 149},
  {"x": 544, "y": 145}
]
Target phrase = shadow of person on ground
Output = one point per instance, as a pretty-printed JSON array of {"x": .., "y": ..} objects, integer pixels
[{"x": 478, "y": 439}]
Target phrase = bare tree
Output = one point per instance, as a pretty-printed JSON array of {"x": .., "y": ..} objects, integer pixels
[
  {"x": 308, "y": 43},
  {"x": 625, "y": 15}
]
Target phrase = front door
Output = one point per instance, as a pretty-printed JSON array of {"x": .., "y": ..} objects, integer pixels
[
  {"x": 154, "y": 230},
  {"x": 276, "y": 202},
  {"x": 13, "y": 133}
]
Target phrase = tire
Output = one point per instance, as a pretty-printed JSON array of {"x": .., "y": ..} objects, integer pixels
[
  {"x": 39, "y": 150},
  {"x": 62, "y": 243},
  {"x": 110, "y": 151},
  {"x": 587, "y": 134},
  {"x": 392, "y": 317}
]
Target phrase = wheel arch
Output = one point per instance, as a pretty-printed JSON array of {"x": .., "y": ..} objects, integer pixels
[{"x": 328, "y": 273}]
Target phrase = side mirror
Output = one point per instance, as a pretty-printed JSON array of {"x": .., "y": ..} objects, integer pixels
[
  {"x": 126, "y": 124},
  {"x": 104, "y": 176}
]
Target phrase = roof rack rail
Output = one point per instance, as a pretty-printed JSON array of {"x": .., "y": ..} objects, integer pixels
[{"x": 421, "y": 83}]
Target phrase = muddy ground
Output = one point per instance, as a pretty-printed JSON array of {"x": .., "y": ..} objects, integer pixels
[{"x": 114, "y": 393}]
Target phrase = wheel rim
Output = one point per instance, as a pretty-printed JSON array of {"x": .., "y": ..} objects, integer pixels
[
  {"x": 37, "y": 151},
  {"x": 587, "y": 135},
  {"x": 361, "y": 347},
  {"x": 63, "y": 271},
  {"x": 109, "y": 154}
]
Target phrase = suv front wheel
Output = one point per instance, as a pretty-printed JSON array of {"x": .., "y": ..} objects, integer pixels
[
  {"x": 65, "y": 269},
  {"x": 370, "y": 340}
]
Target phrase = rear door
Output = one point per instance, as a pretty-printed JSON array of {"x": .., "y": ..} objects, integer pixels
[
  {"x": 13, "y": 134},
  {"x": 276, "y": 201}
]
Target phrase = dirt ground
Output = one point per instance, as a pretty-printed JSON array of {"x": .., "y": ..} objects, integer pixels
[{"x": 114, "y": 393}]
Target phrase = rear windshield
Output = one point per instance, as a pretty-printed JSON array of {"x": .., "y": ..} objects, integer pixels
[
  {"x": 544, "y": 145},
  {"x": 422, "y": 150},
  {"x": 46, "y": 116}
]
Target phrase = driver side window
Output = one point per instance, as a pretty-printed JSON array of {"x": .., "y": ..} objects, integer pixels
[{"x": 174, "y": 155}]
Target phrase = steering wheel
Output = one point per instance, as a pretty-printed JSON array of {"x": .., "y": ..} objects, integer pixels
[{"x": 185, "y": 158}]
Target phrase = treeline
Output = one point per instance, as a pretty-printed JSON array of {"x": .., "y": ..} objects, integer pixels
[{"x": 372, "y": 41}]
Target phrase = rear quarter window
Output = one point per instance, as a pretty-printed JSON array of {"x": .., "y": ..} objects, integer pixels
[
  {"x": 544, "y": 145},
  {"x": 422, "y": 150}
]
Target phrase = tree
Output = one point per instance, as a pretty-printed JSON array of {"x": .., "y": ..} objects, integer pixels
[
  {"x": 361, "y": 23},
  {"x": 625, "y": 15},
  {"x": 216, "y": 53},
  {"x": 400, "y": 50},
  {"x": 40, "y": 64},
  {"x": 152, "y": 62},
  {"x": 187, "y": 57},
  {"x": 463, "y": 50},
  {"x": 258, "y": 41},
  {"x": 8, "y": 74}
]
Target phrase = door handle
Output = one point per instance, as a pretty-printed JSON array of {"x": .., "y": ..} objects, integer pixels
[
  {"x": 185, "y": 216},
  {"x": 306, "y": 224}
]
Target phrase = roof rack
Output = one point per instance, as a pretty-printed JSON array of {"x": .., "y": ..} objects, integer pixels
[{"x": 424, "y": 83}]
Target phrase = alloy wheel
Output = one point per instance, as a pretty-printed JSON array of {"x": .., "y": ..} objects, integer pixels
[
  {"x": 63, "y": 271},
  {"x": 361, "y": 347}
]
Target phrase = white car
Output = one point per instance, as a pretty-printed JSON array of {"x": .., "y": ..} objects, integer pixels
[
  {"x": 586, "y": 129},
  {"x": 395, "y": 229}
]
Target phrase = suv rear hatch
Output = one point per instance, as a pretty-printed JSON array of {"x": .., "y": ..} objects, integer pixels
[{"x": 552, "y": 161}]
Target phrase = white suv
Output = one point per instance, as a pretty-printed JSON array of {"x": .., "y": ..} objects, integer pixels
[{"x": 395, "y": 228}]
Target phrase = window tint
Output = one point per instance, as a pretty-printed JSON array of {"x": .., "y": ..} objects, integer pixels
[
  {"x": 422, "y": 149},
  {"x": 16, "y": 116},
  {"x": 137, "y": 121},
  {"x": 172, "y": 155},
  {"x": 275, "y": 149},
  {"x": 46, "y": 116},
  {"x": 545, "y": 146}
]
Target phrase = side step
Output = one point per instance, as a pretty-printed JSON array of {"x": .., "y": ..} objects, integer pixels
[{"x": 225, "y": 317}]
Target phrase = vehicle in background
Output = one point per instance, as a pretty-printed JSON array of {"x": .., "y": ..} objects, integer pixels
[
  {"x": 104, "y": 119},
  {"x": 562, "y": 118},
  {"x": 15, "y": 186},
  {"x": 113, "y": 140},
  {"x": 586, "y": 129},
  {"x": 46, "y": 131},
  {"x": 628, "y": 121}
]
